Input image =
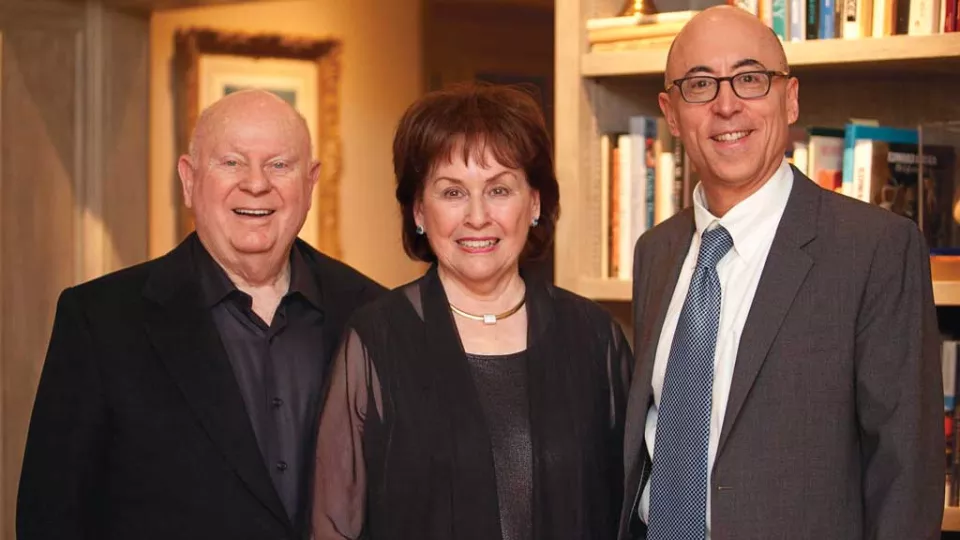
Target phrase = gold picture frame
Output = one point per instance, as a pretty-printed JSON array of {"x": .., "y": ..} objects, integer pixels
[{"x": 209, "y": 63}]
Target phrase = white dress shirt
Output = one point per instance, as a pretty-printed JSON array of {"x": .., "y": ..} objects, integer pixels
[{"x": 752, "y": 224}]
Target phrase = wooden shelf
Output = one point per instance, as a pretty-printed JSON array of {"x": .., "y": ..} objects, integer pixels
[
  {"x": 606, "y": 289},
  {"x": 945, "y": 272},
  {"x": 900, "y": 54},
  {"x": 951, "y": 519}
]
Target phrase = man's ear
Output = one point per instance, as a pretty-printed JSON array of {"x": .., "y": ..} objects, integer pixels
[
  {"x": 313, "y": 174},
  {"x": 187, "y": 172},
  {"x": 793, "y": 100},
  {"x": 666, "y": 108}
]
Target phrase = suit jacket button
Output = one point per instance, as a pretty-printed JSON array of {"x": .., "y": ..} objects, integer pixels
[{"x": 281, "y": 466}]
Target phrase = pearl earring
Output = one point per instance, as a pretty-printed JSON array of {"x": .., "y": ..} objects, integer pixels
[
  {"x": 420, "y": 230},
  {"x": 535, "y": 222}
]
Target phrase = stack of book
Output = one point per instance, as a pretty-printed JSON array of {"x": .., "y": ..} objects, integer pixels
[
  {"x": 635, "y": 31},
  {"x": 791, "y": 20},
  {"x": 884, "y": 165}
]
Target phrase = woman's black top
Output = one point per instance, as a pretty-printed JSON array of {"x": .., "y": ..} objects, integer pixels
[
  {"x": 501, "y": 383},
  {"x": 419, "y": 440}
]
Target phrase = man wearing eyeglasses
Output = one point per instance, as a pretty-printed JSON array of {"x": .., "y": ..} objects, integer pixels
[{"x": 788, "y": 376}]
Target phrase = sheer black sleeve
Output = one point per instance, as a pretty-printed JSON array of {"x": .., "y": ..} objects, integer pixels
[
  {"x": 619, "y": 373},
  {"x": 354, "y": 398}
]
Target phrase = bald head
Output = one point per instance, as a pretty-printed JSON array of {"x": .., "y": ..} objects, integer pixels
[
  {"x": 246, "y": 106},
  {"x": 733, "y": 114},
  {"x": 249, "y": 180},
  {"x": 721, "y": 23}
]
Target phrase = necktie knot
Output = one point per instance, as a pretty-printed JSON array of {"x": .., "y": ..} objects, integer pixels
[{"x": 714, "y": 244}]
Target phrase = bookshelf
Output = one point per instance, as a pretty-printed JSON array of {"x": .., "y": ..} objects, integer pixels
[
  {"x": 899, "y": 80},
  {"x": 946, "y": 287},
  {"x": 895, "y": 54}
]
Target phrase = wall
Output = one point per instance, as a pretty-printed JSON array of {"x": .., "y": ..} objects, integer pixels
[
  {"x": 465, "y": 39},
  {"x": 497, "y": 41},
  {"x": 381, "y": 76},
  {"x": 73, "y": 148}
]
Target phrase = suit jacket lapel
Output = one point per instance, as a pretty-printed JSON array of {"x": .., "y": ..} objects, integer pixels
[
  {"x": 786, "y": 268},
  {"x": 650, "y": 311},
  {"x": 185, "y": 337}
]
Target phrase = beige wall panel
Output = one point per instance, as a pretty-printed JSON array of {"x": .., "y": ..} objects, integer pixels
[
  {"x": 39, "y": 165},
  {"x": 125, "y": 185}
]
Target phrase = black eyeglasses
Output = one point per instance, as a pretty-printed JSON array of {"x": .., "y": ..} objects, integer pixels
[{"x": 746, "y": 85}]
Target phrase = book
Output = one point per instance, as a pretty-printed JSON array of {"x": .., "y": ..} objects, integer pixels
[
  {"x": 855, "y": 171},
  {"x": 645, "y": 31},
  {"x": 633, "y": 44},
  {"x": 640, "y": 19},
  {"x": 825, "y": 157},
  {"x": 933, "y": 206}
]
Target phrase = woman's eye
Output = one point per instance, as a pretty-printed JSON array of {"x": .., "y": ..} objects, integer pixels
[
  {"x": 500, "y": 191},
  {"x": 453, "y": 193}
]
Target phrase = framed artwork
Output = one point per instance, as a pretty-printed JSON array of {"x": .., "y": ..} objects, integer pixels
[{"x": 305, "y": 73}]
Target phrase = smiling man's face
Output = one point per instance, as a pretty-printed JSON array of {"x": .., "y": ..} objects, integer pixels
[
  {"x": 736, "y": 144},
  {"x": 249, "y": 178}
]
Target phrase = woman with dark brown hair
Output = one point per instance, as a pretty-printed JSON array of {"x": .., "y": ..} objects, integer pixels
[{"x": 475, "y": 402}]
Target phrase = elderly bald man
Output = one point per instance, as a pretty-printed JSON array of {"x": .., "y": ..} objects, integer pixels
[
  {"x": 788, "y": 377},
  {"x": 179, "y": 397}
]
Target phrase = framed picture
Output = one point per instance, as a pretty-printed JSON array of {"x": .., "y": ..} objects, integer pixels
[{"x": 305, "y": 73}]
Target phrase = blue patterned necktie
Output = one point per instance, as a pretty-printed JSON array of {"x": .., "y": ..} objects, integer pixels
[{"x": 678, "y": 480}]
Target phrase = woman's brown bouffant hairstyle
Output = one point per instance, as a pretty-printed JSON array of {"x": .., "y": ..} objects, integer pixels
[{"x": 475, "y": 118}]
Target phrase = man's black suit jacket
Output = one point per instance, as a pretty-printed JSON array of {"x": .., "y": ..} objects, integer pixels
[{"x": 139, "y": 430}]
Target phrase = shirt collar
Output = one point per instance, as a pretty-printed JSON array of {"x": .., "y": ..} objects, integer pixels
[
  {"x": 216, "y": 285},
  {"x": 302, "y": 280},
  {"x": 744, "y": 221}
]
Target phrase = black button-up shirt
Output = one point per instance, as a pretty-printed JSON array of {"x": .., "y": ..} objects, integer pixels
[{"x": 279, "y": 368}]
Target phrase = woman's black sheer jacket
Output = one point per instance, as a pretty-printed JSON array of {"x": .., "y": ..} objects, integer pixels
[{"x": 404, "y": 450}]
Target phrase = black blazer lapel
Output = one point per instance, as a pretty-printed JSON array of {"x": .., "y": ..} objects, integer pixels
[
  {"x": 183, "y": 333},
  {"x": 785, "y": 270},
  {"x": 342, "y": 289},
  {"x": 652, "y": 309}
]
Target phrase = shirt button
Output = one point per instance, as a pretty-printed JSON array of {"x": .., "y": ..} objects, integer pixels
[
  {"x": 281, "y": 466},
  {"x": 277, "y": 402}
]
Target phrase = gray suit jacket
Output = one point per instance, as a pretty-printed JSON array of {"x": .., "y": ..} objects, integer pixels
[{"x": 833, "y": 429}]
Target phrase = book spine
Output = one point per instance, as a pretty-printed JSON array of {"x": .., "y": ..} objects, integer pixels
[
  {"x": 828, "y": 20},
  {"x": 813, "y": 19},
  {"x": 606, "y": 181},
  {"x": 779, "y": 17},
  {"x": 677, "y": 174},
  {"x": 798, "y": 20},
  {"x": 626, "y": 207},
  {"x": 924, "y": 15},
  {"x": 649, "y": 159}
]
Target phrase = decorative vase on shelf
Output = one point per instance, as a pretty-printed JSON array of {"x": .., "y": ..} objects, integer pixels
[{"x": 639, "y": 7}]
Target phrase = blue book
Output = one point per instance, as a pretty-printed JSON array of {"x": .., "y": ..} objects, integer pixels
[
  {"x": 854, "y": 132},
  {"x": 828, "y": 19}
]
